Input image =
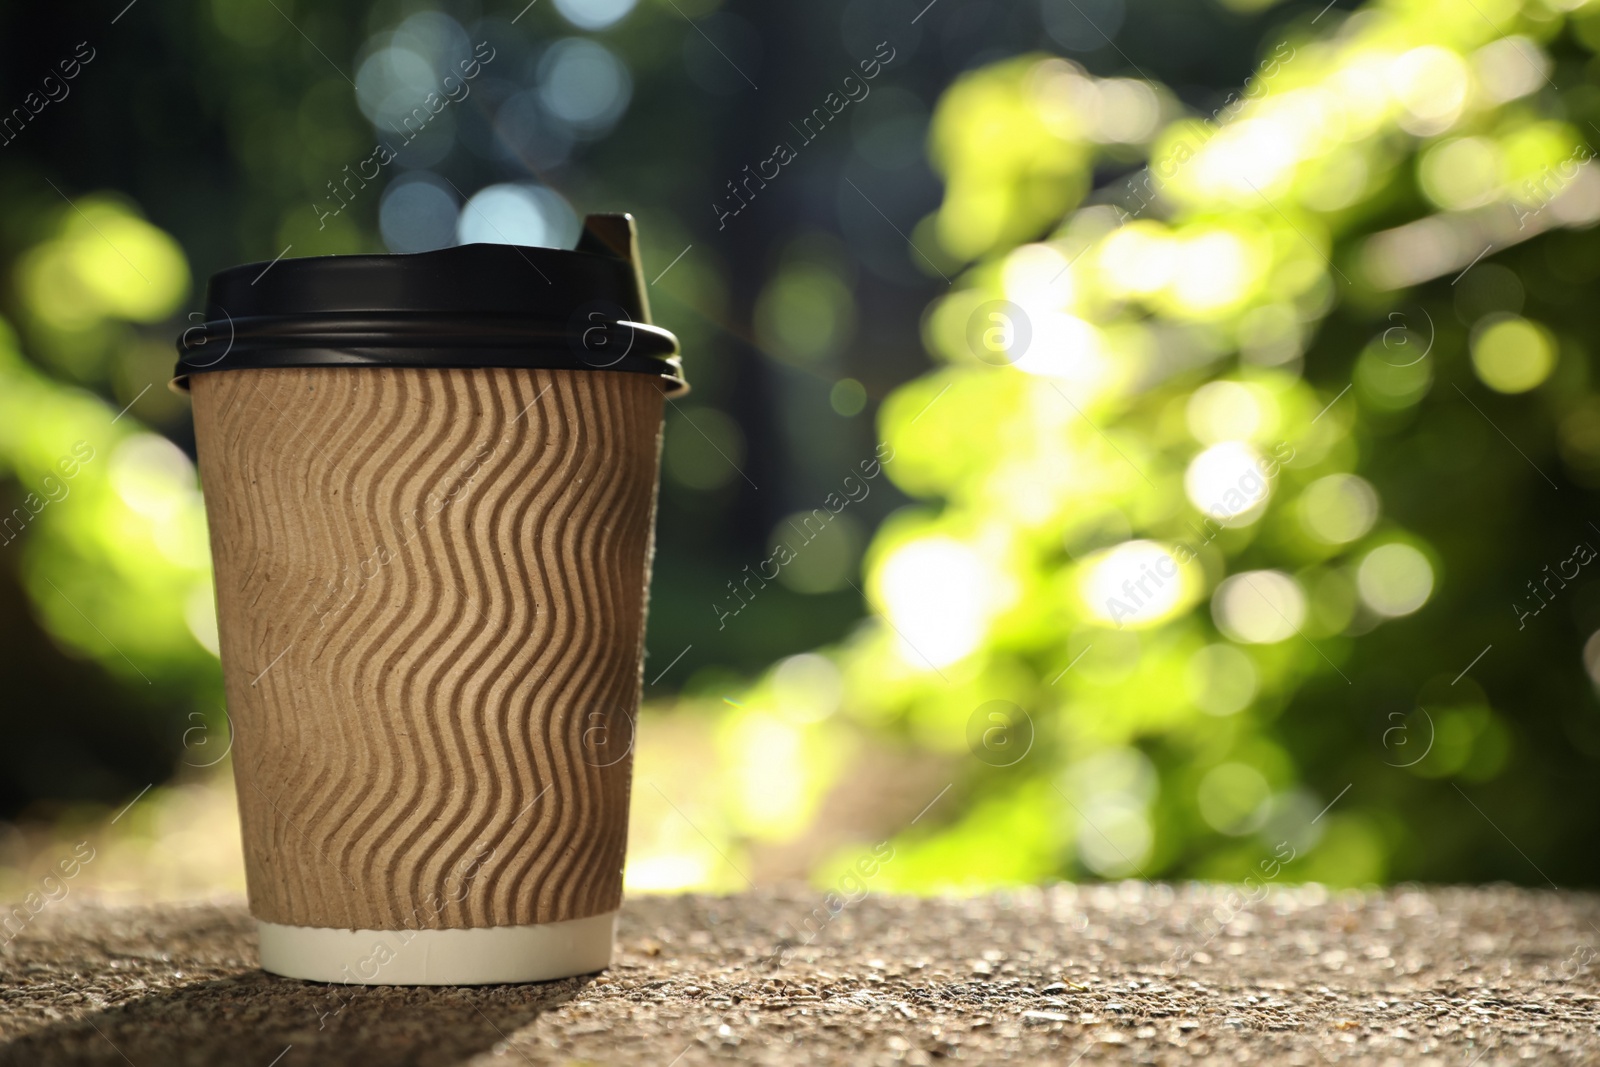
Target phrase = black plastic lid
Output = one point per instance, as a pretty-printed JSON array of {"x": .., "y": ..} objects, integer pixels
[{"x": 479, "y": 305}]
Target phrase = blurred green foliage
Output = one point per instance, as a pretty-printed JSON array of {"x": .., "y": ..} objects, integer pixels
[{"x": 1237, "y": 463}]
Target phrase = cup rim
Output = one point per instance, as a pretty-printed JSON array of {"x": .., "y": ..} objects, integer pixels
[{"x": 466, "y": 306}]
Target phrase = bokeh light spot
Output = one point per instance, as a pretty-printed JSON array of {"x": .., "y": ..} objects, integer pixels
[
  {"x": 1591, "y": 658},
  {"x": 1259, "y": 607},
  {"x": 936, "y": 593},
  {"x": 1394, "y": 579},
  {"x": 1513, "y": 355},
  {"x": 200, "y": 613},
  {"x": 1339, "y": 508},
  {"x": 1228, "y": 482},
  {"x": 847, "y": 397},
  {"x": 1462, "y": 173},
  {"x": 805, "y": 314},
  {"x": 1431, "y": 83},
  {"x": 152, "y": 476},
  {"x": 107, "y": 262},
  {"x": 417, "y": 214},
  {"x": 594, "y": 14},
  {"x": 584, "y": 84},
  {"x": 1136, "y": 584},
  {"x": 1392, "y": 379},
  {"x": 1509, "y": 68},
  {"x": 1225, "y": 411},
  {"x": 518, "y": 215},
  {"x": 807, "y": 688},
  {"x": 1215, "y": 271}
]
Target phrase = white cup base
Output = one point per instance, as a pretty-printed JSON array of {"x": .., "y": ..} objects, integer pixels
[{"x": 483, "y": 956}]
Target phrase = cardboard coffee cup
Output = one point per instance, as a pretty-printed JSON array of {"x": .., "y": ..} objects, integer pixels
[{"x": 431, "y": 484}]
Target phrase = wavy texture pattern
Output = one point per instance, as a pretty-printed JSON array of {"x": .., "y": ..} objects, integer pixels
[{"x": 431, "y": 594}]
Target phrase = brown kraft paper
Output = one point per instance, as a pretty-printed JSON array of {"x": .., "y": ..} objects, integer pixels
[{"x": 431, "y": 592}]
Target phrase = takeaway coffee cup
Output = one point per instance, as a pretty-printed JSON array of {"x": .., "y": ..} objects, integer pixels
[{"x": 431, "y": 484}]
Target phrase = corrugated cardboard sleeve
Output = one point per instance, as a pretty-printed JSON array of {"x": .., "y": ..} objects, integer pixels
[{"x": 431, "y": 593}]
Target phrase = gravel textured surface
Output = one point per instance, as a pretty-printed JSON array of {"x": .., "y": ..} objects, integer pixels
[{"x": 1097, "y": 974}]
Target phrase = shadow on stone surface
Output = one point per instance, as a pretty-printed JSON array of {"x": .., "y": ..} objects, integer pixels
[{"x": 258, "y": 1019}]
